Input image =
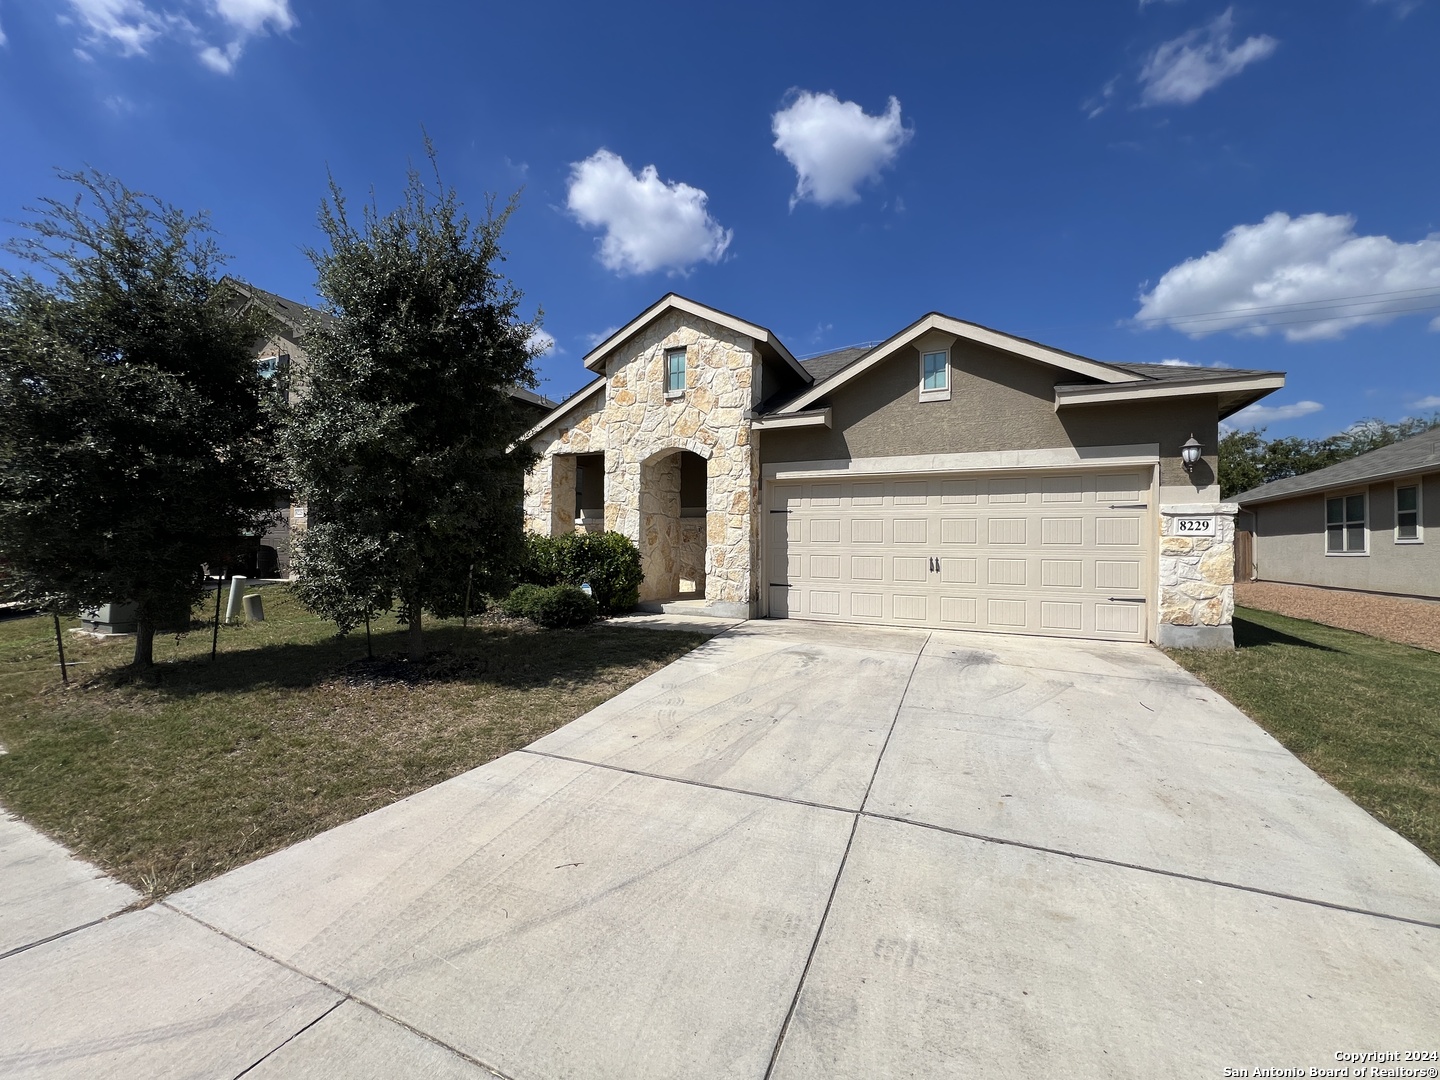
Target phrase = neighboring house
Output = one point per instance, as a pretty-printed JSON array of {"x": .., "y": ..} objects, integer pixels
[
  {"x": 1360, "y": 524},
  {"x": 280, "y": 355},
  {"x": 952, "y": 477}
]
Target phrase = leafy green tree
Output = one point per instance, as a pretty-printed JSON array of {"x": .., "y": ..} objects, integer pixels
[
  {"x": 136, "y": 435},
  {"x": 1247, "y": 460},
  {"x": 402, "y": 444}
]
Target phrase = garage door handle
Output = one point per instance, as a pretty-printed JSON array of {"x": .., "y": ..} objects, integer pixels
[
  {"x": 1126, "y": 599},
  {"x": 1129, "y": 506}
]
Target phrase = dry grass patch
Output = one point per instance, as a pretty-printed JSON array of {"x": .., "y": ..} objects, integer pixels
[{"x": 171, "y": 779}]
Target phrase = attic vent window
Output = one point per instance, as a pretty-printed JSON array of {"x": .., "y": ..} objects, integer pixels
[{"x": 674, "y": 372}]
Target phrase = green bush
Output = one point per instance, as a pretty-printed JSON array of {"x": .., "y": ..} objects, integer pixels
[
  {"x": 520, "y": 604},
  {"x": 563, "y": 605},
  {"x": 609, "y": 561}
]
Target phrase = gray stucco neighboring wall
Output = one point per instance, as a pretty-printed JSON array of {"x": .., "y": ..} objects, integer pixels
[
  {"x": 997, "y": 402},
  {"x": 1290, "y": 543}
]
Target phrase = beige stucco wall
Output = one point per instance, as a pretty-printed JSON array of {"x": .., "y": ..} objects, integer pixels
[
  {"x": 1290, "y": 543},
  {"x": 633, "y": 423},
  {"x": 997, "y": 402}
]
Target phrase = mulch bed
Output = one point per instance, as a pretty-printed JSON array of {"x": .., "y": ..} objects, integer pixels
[{"x": 1392, "y": 618}]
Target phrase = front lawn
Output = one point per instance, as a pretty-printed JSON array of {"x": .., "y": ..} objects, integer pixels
[
  {"x": 206, "y": 765},
  {"x": 1361, "y": 712}
]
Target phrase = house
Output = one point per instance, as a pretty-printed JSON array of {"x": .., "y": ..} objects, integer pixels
[
  {"x": 280, "y": 355},
  {"x": 951, "y": 476},
  {"x": 1359, "y": 524}
]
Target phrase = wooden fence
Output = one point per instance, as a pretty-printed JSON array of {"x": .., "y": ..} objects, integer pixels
[{"x": 1244, "y": 555}]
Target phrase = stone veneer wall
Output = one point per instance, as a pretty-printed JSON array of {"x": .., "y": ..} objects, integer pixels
[
  {"x": 1197, "y": 579},
  {"x": 634, "y": 424}
]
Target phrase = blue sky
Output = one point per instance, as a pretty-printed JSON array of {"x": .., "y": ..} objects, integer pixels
[{"x": 1248, "y": 185}]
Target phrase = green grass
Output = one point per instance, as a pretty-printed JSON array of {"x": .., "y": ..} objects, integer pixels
[
  {"x": 170, "y": 779},
  {"x": 1361, "y": 712}
]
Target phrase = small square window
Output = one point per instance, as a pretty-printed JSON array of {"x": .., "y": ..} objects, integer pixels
[
  {"x": 1345, "y": 525},
  {"x": 674, "y": 371},
  {"x": 1407, "y": 513}
]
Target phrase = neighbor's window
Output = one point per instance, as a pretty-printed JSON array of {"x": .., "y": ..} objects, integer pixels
[
  {"x": 934, "y": 375},
  {"x": 675, "y": 371},
  {"x": 1407, "y": 514},
  {"x": 1345, "y": 525}
]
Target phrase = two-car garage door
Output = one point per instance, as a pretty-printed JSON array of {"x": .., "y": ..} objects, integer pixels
[{"x": 1062, "y": 553}]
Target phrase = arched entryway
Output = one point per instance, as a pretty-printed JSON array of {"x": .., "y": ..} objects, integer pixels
[{"x": 673, "y": 503}]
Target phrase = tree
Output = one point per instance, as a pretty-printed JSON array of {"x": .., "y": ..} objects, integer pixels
[
  {"x": 402, "y": 444},
  {"x": 1247, "y": 460},
  {"x": 136, "y": 434}
]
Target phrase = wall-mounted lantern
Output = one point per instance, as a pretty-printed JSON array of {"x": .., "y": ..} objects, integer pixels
[{"x": 1190, "y": 453}]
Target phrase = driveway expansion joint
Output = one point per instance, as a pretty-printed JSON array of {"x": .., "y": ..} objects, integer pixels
[
  {"x": 137, "y": 906},
  {"x": 840, "y": 870},
  {"x": 988, "y": 839},
  {"x": 345, "y": 996},
  {"x": 1100, "y": 859}
]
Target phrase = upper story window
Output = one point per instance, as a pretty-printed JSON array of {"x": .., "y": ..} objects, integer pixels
[
  {"x": 935, "y": 375},
  {"x": 674, "y": 372},
  {"x": 1345, "y": 525},
  {"x": 1407, "y": 514}
]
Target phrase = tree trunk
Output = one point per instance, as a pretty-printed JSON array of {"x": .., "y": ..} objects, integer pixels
[
  {"x": 144, "y": 642},
  {"x": 417, "y": 640}
]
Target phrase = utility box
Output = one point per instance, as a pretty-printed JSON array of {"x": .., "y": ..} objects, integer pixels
[
  {"x": 112, "y": 619},
  {"x": 254, "y": 608}
]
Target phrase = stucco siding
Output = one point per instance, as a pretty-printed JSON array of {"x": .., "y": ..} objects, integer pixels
[
  {"x": 1290, "y": 543},
  {"x": 997, "y": 402}
]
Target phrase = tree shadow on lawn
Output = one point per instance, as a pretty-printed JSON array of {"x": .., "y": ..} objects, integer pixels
[
  {"x": 499, "y": 656},
  {"x": 1249, "y": 635}
]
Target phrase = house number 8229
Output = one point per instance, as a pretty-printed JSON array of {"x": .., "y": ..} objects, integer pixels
[{"x": 1195, "y": 526}]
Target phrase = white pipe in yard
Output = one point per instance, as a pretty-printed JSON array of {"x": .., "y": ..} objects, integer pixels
[{"x": 232, "y": 603}]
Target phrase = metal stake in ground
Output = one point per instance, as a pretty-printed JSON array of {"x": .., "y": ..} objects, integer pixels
[
  {"x": 215, "y": 638},
  {"x": 60, "y": 644},
  {"x": 469, "y": 579}
]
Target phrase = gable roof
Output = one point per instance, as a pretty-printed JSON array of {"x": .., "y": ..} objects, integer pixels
[
  {"x": 1417, "y": 454},
  {"x": 301, "y": 317},
  {"x": 1114, "y": 382},
  {"x": 982, "y": 335},
  {"x": 292, "y": 313},
  {"x": 767, "y": 340}
]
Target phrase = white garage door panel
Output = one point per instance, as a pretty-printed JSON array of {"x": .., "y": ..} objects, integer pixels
[{"x": 1063, "y": 553}]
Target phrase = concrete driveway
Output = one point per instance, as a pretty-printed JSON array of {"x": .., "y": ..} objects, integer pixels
[{"x": 800, "y": 851}]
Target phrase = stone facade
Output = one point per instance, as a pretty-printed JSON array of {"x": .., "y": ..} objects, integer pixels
[
  {"x": 639, "y": 429},
  {"x": 1197, "y": 579}
]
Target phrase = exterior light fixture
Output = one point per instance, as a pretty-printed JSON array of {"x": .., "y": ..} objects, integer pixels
[{"x": 1190, "y": 453}]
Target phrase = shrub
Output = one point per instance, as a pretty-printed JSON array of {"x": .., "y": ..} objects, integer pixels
[
  {"x": 563, "y": 605},
  {"x": 520, "y": 604},
  {"x": 609, "y": 561}
]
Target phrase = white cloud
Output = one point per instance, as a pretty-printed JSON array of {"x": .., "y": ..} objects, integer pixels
[
  {"x": 128, "y": 26},
  {"x": 3, "y": 39},
  {"x": 650, "y": 224},
  {"x": 542, "y": 343},
  {"x": 1310, "y": 277},
  {"x": 1179, "y": 71},
  {"x": 835, "y": 146},
  {"x": 597, "y": 338},
  {"x": 1103, "y": 100},
  {"x": 256, "y": 16},
  {"x": 131, "y": 27},
  {"x": 1254, "y": 415},
  {"x": 1431, "y": 402},
  {"x": 1146, "y": 3}
]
